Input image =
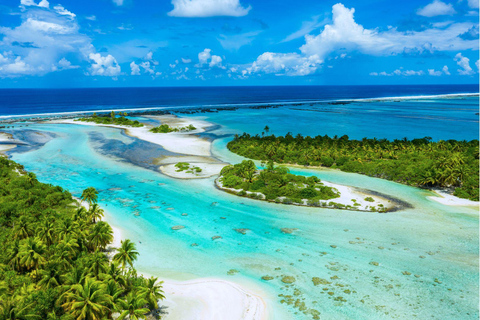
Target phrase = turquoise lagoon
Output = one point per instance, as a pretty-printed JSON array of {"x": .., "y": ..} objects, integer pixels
[{"x": 416, "y": 263}]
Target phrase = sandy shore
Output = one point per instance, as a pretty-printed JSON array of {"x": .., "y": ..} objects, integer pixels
[
  {"x": 450, "y": 200},
  {"x": 179, "y": 142},
  {"x": 5, "y": 142},
  {"x": 203, "y": 298}
]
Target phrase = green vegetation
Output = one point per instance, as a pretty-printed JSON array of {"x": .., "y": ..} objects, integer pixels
[
  {"x": 165, "y": 128},
  {"x": 182, "y": 166},
  {"x": 54, "y": 264},
  {"x": 417, "y": 162},
  {"x": 274, "y": 183},
  {"x": 122, "y": 121}
]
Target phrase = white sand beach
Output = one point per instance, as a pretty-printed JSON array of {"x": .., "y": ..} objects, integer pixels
[
  {"x": 451, "y": 200},
  {"x": 6, "y": 138},
  {"x": 202, "y": 298}
]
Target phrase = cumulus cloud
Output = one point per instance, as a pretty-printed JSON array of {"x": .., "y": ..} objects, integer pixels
[
  {"x": 186, "y": 60},
  {"x": 445, "y": 70},
  {"x": 400, "y": 72},
  {"x": 432, "y": 72},
  {"x": 464, "y": 64},
  {"x": 436, "y": 8},
  {"x": 104, "y": 65},
  {"x": 135, "y": 69},
  {"x": 205, "y": 58},
  {"x": 44, "y": 36},
  {"x": 344, "y": 33},
  {"x": 291, "y": 64},
  {"x": 207, "y": 8}
]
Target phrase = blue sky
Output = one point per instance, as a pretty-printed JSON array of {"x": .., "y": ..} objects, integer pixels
[{"x": 89, "y": 43}]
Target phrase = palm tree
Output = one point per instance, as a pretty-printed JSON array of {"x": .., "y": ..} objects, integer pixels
[
  {"x": 126, "y": 254},
  {"x": 50, "y": 277},
  {"x": 115, "y": 291},
  {"x": 100, "y": 236},
  {"x": 22, "y": 228},
  {"x": 114, "y": 273},
  {"x": 90, "y": 195},
  {"x": 95, "y": 212},
  {"x": 31, "y": 253},
  {"x": 88, "y": 301},
  {"x": 153, "y": 292},
  {"x": 134, "y": 307},
  {"x": 98, "y": 263},
  {"x": 46, "y": 231}
]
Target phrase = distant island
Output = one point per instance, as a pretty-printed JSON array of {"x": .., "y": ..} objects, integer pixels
[{"x": 419, "y": 162}]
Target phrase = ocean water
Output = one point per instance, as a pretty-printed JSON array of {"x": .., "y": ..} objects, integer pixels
[
  {"x": 39, "y": 101},
  {"x": 427, "y": 256}
]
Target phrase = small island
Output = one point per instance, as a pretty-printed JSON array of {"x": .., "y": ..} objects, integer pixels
[
  {"x": 165, "y": 128},
  {"x": 121, "y": 121},
  {"x": 277, "y": 184}
]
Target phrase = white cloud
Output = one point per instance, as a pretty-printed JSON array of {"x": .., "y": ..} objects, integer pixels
[
  {"x": 104, "y": 65},
  {"x": 464, "y": 64},
  {"x": 206, "y": 58},
  {"x": 64, "y": 64},
  {"x": 207, "y": 8},
  {"x": 473, "y": 4},
  {"x": 186, "y": 60},
  {"x": 147, "y": 67},
  {"x": 118, "y": 2},
  {"x": 91, "y": 18},
  {"x": 43, "y": 3},
  {"x": 432, "y": 72},
  {"x": 44, "y": 36},
  {"x": 149, "y": 55},
  {"x": 64, "y": 12},
  {"x": 135, "y": 69},
  {"x": 215, "y": 61},
  {"x": 436, "y": 8},
  {"x": 347, "y": 35},
  {"x": 445, "y": 70},
  {"x": 477, "y": 64},
  {"x": 401, "y": 72},
  {"x": 291, "y": 64}
]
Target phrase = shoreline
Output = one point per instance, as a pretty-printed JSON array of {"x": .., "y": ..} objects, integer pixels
[
  {"x": 447, "y": 199},
  {"x": 201, "y": 298}
]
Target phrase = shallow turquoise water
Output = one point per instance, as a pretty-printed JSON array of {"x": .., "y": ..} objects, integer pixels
[{"x": 437, "y": 243}]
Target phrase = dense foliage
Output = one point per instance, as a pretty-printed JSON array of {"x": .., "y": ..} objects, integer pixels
[
  {"x": 274, "y": 182},
  {"x": 53, "y": 263},
  {"x": 165, "y": 128},
  {"x": 122, "y": 121},
  {"x": 417, "y": 162}
]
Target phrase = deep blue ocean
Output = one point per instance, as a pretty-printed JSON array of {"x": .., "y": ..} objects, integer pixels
[{"x": 38, "y": 101}]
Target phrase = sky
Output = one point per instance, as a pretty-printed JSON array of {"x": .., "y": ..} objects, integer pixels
[{"x": 112, "y": 43}]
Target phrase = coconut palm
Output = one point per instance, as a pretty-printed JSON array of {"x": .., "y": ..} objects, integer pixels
[
  {"x": 153, "y": 292},
  {"x": 90, "y": 195},
  {"x": 134, "y": 307},
  {"x": 95, "y": 213},
  {"x": 88, "y": 301},
  {"x": 22, "y": 229},
  {"x": 31, "y": 252},
  {"x": 46, "y": 231},
  {"x": 126, "y": 254},
  {"x": 50, "y": 277},
  {"x": 100, "y": 236},
  {"x": 98, "y": 263}
]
